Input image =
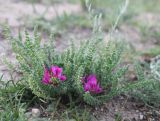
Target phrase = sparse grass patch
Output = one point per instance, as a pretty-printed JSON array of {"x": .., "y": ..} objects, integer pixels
[
  {"x": 60, "y": 23},
  {"x": 11, "y": 107},
  {"x": 153, "y": 52},
  {"x": 149, "y": 94}
]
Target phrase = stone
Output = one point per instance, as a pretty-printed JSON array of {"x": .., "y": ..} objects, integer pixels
[
  {"x": 141, "y": 116},
  {"x": 35, "y": 112}
]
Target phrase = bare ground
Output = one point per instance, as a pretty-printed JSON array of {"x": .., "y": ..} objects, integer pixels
[{"x": 123, "y": 108}]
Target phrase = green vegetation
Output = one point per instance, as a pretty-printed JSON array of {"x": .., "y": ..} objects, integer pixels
[{"x": 69, "y": 100}]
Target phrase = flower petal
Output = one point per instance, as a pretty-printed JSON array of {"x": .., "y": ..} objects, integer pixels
[
  {"x": 92, "y": 84},
  {"x": 46, "y": 77},
  {"x": 63, "y": 78},
  {"x": 86, "y": 87},
  {"x": 57, "y": 72},
  {"x": 92, "y": 80},
  {"x": 98, "y": 89}
]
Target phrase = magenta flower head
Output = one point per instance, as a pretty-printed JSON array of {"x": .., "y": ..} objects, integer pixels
[
  {"x": 91, "y": 84},
  {"x": 62, "y": 78},
  {"x": 57, "y": 73},
  {"x": 52, "y": 75},
  {"x": 46, "y": 77},
  {"x": 92, "y": 80}
]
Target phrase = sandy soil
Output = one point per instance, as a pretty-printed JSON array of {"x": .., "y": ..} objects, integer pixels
[{"x": 14, "y": 11}]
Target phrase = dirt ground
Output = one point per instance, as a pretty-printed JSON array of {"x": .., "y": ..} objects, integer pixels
[
  {"x": 14, "y": 11},
  {"x": 126, "y": 109}
]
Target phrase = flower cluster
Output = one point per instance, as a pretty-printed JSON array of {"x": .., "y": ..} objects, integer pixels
[
  {"x": 52, "y": 75},
  {"x": 91, "y": 84}
]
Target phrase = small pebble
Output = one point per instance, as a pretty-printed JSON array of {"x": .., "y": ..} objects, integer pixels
[
  {"x": 102, "y": 109},
  {"x": 94, "y": 114},
  {"x": 35, "y": 112},
  {"x": 137, "y": 111},
  {"x": 141, "y": 116}
]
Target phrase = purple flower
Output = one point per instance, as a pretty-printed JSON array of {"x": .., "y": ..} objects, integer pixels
[
  {"x": 92, "y": 80},
  {"x": 91, "y": 84},
  {"x": 46, "y": 77},
  {"x": 87, "y": 87},
  {"x": 63, "y": 78},
  {"x": 98, "y": 89},
  {"x": 57, "y": 73},
  {"x": 52, "y": 74}
]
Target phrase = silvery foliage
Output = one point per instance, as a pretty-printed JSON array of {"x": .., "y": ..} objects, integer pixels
[{"x": 155, "y": 67}]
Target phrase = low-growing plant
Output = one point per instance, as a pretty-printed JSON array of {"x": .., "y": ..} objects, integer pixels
[
  {"x": 155, "y": 68},
  {"x": 91, "y": 72},
  {"x": 149, "y": 94}
]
